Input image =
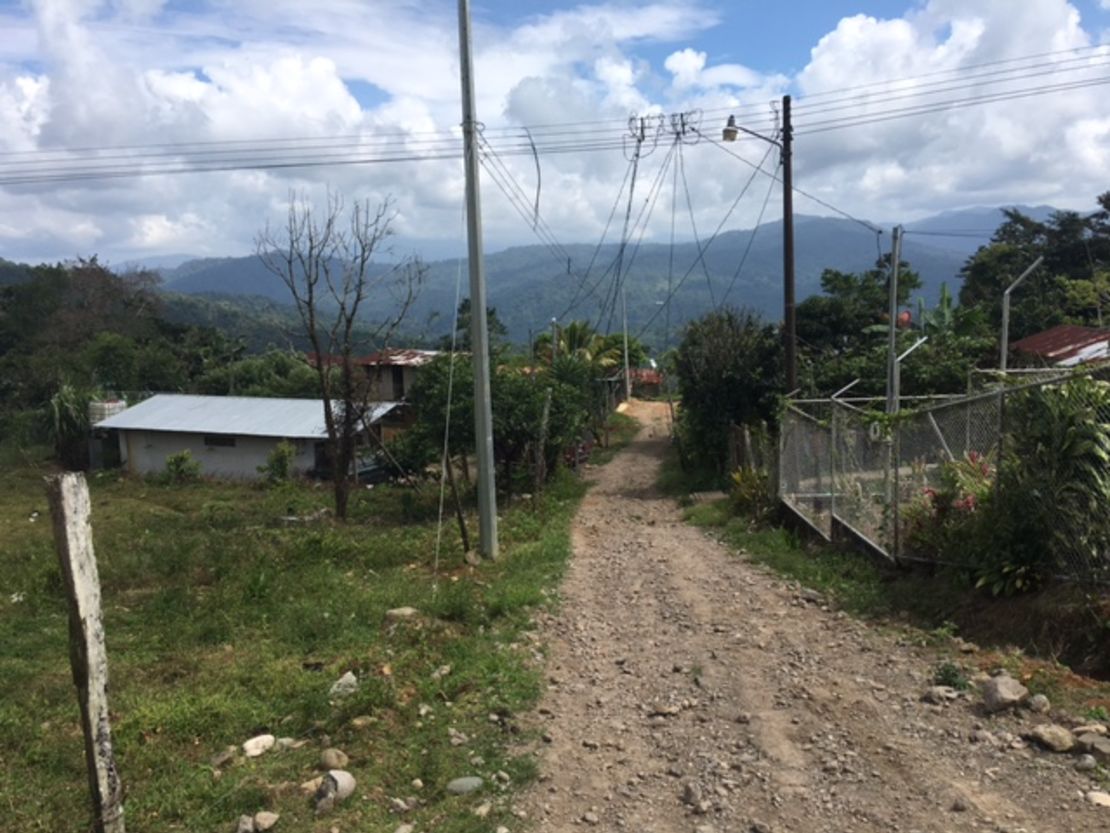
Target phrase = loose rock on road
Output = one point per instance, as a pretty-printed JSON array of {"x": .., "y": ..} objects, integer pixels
[{"x": 689, "y": 690}]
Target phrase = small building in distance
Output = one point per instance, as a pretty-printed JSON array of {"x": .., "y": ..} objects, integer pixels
[
  {"x": 230, "y": 436},
  {"x": 391, "y": 372},
  {"x": 647, "y": 382},
  {"x": 1066, "y": 345}
]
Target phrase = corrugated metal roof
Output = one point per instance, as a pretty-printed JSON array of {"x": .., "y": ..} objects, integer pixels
[
  {"x": 247, "y": 416},
  {"x": 400, "y": 357},
  {"x": 1063, "y": 342}
]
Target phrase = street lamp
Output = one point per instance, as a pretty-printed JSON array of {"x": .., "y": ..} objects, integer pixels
[{"x": 731, "y": 133}]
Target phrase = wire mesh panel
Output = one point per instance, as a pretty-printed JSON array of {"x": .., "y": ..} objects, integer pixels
[
  {"x": 805, "y": 466},
  {"x": 928, "y": 443},
  {"x": 863, "y": 465},
  {"x": 1041, "y": 437}
]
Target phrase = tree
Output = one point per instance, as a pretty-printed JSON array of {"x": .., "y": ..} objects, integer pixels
[
  {"x": 729, "y": 368},
  {"x": 325, "y": 257},
  {"x": 498, "y": 333},
  {"x": 851, "y": 303},
  {"x": 1071, "y": 286},
  {"x": 579, "y": 339}
]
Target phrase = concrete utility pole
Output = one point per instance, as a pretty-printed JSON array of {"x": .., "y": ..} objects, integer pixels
[
  {"x": 639, "y": 133},
  {"x": 479, "y": 332},
  {"x": 892, "y": 339},
  {"x": 1005, "y": 341}
]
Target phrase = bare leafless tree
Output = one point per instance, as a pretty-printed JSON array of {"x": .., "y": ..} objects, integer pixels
[{"x": 326, "y": 257}]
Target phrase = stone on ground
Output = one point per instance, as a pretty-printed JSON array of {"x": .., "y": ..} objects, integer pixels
[
  {"x": 258, "y": 745},
  {"x": 1003, "y": 692}
]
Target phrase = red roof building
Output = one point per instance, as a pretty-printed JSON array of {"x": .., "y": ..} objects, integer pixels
[{"x": 1066, "y": 345}]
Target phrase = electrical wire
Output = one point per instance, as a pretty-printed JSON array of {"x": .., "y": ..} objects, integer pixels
[
  {"x": 701, "y": 253},
  {"x": 938, "y": 107},
  {"x": 447, "y": 418},
  {"x": 751, "y": 240},
  {"x": 864, "y": 223},
  {"x": 694, "y": 226},
  {"x": 597, "y": 249},
  {"x": 643, "y": 218},
  {"x": 444, "y": 140}
]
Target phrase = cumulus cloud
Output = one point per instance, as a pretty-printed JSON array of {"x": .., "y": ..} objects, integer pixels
[{"x": 125, "y": 72}]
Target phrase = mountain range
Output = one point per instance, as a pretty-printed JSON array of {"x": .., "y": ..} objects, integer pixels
[{"x": 528, "y": 285}]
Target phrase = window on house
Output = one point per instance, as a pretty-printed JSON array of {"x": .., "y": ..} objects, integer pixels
[
  {"x": 398, "y": 383},
  {"x": 219, "y": 441}
]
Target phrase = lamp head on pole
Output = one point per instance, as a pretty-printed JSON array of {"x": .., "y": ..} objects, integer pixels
[{"x": 731, "y": 131}]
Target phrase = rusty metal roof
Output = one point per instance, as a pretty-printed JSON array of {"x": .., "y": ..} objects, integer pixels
[
  {"x": 399, "y": 357},
  {"x": 1065, "y": 344}
]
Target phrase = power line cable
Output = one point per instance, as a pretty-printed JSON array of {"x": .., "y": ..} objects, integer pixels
[
  {"x": 644, "y": 215},
  {"x": 751, "y": 239},
  {"x": 864, "y": 223},
  {"x": 923, "y": 91},
  {"x": 954, "y": 104},
  {"x": 694, "y": 226},
  {"x": 701, "y": 253}
]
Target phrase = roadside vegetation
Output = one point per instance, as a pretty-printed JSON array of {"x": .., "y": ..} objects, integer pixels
[
  {"x": 1046, "y": 639},
  {"x": 995, "y": 533},
  {"x": 231, "y": 609}
]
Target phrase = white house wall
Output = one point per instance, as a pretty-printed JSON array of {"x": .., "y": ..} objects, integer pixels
[{"x": 145, "y": 452}]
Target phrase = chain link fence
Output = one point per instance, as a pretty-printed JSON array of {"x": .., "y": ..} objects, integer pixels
[
  {"x": 805, "y": 453},
  {"x": 849, "y": 469}
]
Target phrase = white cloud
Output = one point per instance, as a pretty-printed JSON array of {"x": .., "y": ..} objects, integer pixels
[{"x": 123, "y": 72}]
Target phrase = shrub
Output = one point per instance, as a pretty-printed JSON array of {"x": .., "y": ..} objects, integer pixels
[
  {"x": 751, "y": 494},
  {"x": 944, "y": 521},
  {"x": 182, "y": 467},
  {"x": 1054, "y": 485},
  {"x": 951, "y": 675},
  {"x": 1050, "y": 499},
  {"x": 728, "y": 367},
  {"x": 279, "y": 463},
  {"x": 68, "y": 426}
]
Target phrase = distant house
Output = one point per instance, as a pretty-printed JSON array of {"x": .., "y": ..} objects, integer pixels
[
  {"x": 646, "y": 382},
  {"x": 391, "y": 372},
  {"x": 1066, "y": 345},
  {"x": 231, "y": 436}
]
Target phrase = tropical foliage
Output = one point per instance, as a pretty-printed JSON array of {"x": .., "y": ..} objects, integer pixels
[{"x": 728, "y": 367}]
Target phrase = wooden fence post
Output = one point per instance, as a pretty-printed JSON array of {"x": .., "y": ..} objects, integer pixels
[{"x": 69, "y": 507}]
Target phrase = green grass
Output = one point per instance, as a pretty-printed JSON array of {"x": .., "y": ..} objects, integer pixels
[{"x": 223, "y": 623}]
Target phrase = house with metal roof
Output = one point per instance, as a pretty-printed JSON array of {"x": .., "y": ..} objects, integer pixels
[
  {"x": 391, "y": 372},
  {"x": 230, "y": 436},
  {"x": 1066, "y": 345}
]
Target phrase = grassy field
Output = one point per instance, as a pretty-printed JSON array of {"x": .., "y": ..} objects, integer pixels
[{"x": 223, "y": 622}]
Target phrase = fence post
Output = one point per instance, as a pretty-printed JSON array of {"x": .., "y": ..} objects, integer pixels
[
  {"x": 832, "y": 470},
  {"x": 541, "y": 459},
  {"x": 69, "y": 507}
]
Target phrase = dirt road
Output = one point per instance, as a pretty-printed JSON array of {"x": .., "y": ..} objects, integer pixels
[{"x": 691, "y": 691}]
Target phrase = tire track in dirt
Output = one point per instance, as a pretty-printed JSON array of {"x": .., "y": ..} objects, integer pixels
[{"x": 689, "y": 690}]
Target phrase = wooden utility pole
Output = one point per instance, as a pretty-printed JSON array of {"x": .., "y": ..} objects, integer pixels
[
  {"x": 790, "y": 322},
  {"x": 69, "y": 507},
  {"x": 479, "y": 332}
]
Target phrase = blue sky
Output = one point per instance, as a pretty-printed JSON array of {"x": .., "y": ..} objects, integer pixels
[{"x": 109, "y": 73}]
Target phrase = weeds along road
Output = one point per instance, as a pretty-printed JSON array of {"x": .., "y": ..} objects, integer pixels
[{"x": 688, "y": 690}]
